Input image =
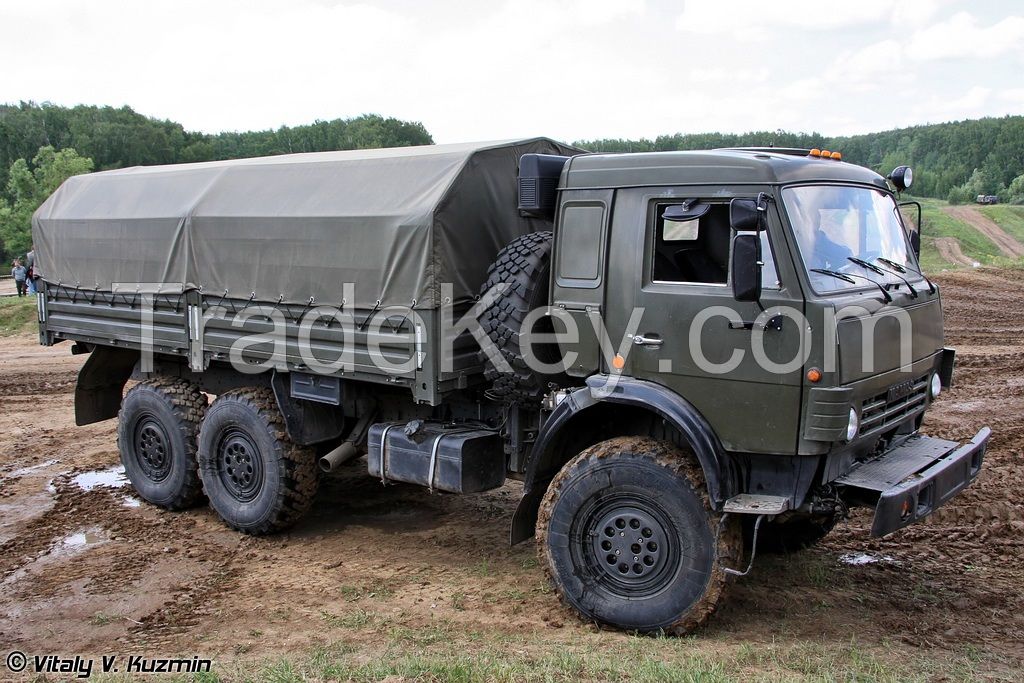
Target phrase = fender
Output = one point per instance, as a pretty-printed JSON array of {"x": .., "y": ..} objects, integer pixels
[{"x": 677, "y": 411}]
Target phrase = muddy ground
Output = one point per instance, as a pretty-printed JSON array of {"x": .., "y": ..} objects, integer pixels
[{"x": 85, "y": 568}]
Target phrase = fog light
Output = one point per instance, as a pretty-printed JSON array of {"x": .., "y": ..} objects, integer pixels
[
  {"x": 936, "y": 385},
  {"x": 852, "y": 426}
]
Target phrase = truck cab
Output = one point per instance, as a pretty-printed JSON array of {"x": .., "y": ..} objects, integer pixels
[{"x": 773, "y": 318}]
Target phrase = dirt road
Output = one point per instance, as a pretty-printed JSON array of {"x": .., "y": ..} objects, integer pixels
[
  {"x": 949, "y": 249},
  {"x": 987, "y": 227},
  {"x": 386, "y": 571}
]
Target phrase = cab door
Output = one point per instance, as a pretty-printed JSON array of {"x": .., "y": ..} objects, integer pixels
[{"x": 668, "y": 289}]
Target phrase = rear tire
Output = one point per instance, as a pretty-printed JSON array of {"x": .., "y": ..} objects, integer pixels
[
  {"x": 256, "y": 478},
  {"x": 156, "y": 435},
  {"x": 628, "y": 538}
]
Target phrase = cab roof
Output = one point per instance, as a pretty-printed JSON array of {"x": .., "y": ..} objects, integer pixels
[{"x": 711, "y": 167}]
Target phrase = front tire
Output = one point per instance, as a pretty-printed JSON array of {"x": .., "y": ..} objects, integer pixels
[
  {"x": 256, "y": 478},
  {"x": 157, "y": 428},
  {"x": 628, "y": 538}
]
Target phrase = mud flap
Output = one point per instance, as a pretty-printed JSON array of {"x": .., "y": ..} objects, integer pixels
[{"x": 101, "y": 383}]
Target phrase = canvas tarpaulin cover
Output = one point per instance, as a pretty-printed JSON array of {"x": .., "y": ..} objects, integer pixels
[{"x": 397, "y": 223}]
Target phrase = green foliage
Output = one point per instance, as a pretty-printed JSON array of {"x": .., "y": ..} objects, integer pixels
[
  {"x": 108, "y": 137},
  {"x": 944, "y": 156},
  {"x": 120, "y": 137},
  {"x": 1015, "y": 191},
  {"x": 28, "y": 187}
]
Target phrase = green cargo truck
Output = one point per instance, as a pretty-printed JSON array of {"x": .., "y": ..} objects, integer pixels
[{"x": 684, "y": 357}]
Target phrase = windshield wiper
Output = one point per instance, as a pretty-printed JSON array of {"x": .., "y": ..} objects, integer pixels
[
  {"x": 864, "y": 264},
  {"x": 892, "y": 264},
  {"x": 903, "y": 269},
  {"x": 896, "y": 270},
  {"x": 835, "y": 274},
  {"x": 849, "y": 277}
]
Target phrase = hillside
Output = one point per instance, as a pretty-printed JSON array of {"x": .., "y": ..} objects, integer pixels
[
  {"x": 41, "y": 144},
  {"x": 956, "y": 160}
]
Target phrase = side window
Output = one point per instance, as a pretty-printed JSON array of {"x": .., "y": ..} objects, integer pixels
[
  {"x": 692, "y": 245},
  {"x": 579, "y": 248}
]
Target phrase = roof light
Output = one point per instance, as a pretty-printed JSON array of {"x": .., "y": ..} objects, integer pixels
[
  {"x": 837, "y": 156},
  {"x": 815, "y": 152}
]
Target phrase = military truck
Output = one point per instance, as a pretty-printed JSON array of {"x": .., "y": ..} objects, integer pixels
[{"x": 684, "y": 357}]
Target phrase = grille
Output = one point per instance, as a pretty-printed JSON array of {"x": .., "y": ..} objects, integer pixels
[{"x": 890, "y": 407}]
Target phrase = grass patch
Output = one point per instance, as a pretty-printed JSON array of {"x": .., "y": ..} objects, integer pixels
[
  {"x": 17, "y": 315},
  {"x": 1009, "y": 218},
  {"x": 609, "y": 658},
  {"x": 937, "y": 223}
]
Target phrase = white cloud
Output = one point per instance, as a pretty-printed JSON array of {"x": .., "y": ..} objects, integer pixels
[
  {"x": 572, "y": 69},
  {"x": 757, "y": 19},
  {"x": 961, "y": 36}
]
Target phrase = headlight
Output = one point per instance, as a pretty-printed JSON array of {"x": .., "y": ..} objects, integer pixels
[
  {"x": 936, "y": 385},
  {"x": 902, "y": 177},
  {"x": 853, "y": 426}
]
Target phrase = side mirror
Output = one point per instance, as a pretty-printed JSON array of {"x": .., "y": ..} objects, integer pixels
[
  {"x": 744, "y": 215},
  {"x": 912, "y": 221},
  {"x": 746, "y": 267}
]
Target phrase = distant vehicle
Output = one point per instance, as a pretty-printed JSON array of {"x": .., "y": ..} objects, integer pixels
[
  {"x": 987, "y": 199},
  {"x": 642, "y": 470}
]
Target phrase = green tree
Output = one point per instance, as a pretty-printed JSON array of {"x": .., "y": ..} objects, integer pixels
[{"x": 28, "y": 187}]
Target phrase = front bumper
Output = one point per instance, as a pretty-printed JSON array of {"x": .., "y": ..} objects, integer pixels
[{"x": 914, "y": 478}]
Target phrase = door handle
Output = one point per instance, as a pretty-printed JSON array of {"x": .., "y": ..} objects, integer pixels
[{"x": 640, "y": 340}]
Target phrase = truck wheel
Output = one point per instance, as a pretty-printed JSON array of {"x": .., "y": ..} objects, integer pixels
[
  {"x": 628, "y": 537},
  {"x": 156, "y": 436},
  {"x": 789, "y": 535},
  {"x": 525, "y": 265},
  {"x": 257, "y": 480}
]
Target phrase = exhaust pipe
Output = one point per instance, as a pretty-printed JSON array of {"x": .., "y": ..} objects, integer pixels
[{"x": 338, "y": 457}]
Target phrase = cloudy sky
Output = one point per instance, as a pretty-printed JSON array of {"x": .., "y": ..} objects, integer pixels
[{"x": 569, "y": 69}]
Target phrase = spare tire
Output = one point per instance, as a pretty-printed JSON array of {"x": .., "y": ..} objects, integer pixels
[{"x": 524, "y": 265}]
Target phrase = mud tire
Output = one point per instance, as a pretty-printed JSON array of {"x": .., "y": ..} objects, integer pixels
[
  {"x": 525, "y": 266},
  {"x": 648, "y": 479},
  {"x": 157, "y": 430},
  {"x": 257, "y": 480}
]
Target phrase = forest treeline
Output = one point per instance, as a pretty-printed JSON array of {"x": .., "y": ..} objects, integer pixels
[
  {"x": 41, "y": 144},
  {"x": 120, "y": 137},
  {"x": 955, "y": 161}
]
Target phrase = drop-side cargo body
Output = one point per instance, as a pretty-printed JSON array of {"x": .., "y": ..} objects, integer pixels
[{"x": 359, "y": 231}]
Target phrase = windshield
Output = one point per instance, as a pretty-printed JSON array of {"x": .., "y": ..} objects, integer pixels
[{"x": 834, "y": 224}]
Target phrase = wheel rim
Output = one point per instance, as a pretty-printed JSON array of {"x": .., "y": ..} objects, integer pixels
[
  {"x": 239, "y": 465},
  {"x": 152, "y": 448},
  {"x": 628, "y": 546}
]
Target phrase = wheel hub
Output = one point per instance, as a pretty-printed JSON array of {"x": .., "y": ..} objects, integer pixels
[
  {"x": 152, "y": 448},
  {"x": 239, "y": 466},
  {"x": 628, "y": 543}
]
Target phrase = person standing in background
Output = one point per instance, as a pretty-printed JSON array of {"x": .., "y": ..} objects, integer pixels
[
  {"x": 20, "y": 274},
  {"x": 30, "y": 265}
]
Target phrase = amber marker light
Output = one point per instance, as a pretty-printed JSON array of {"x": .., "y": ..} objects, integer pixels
[
  {"x": 814, "y": 375},
  {"x": 836, "y": 155},
  {"x": 814, "y": 152}
]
